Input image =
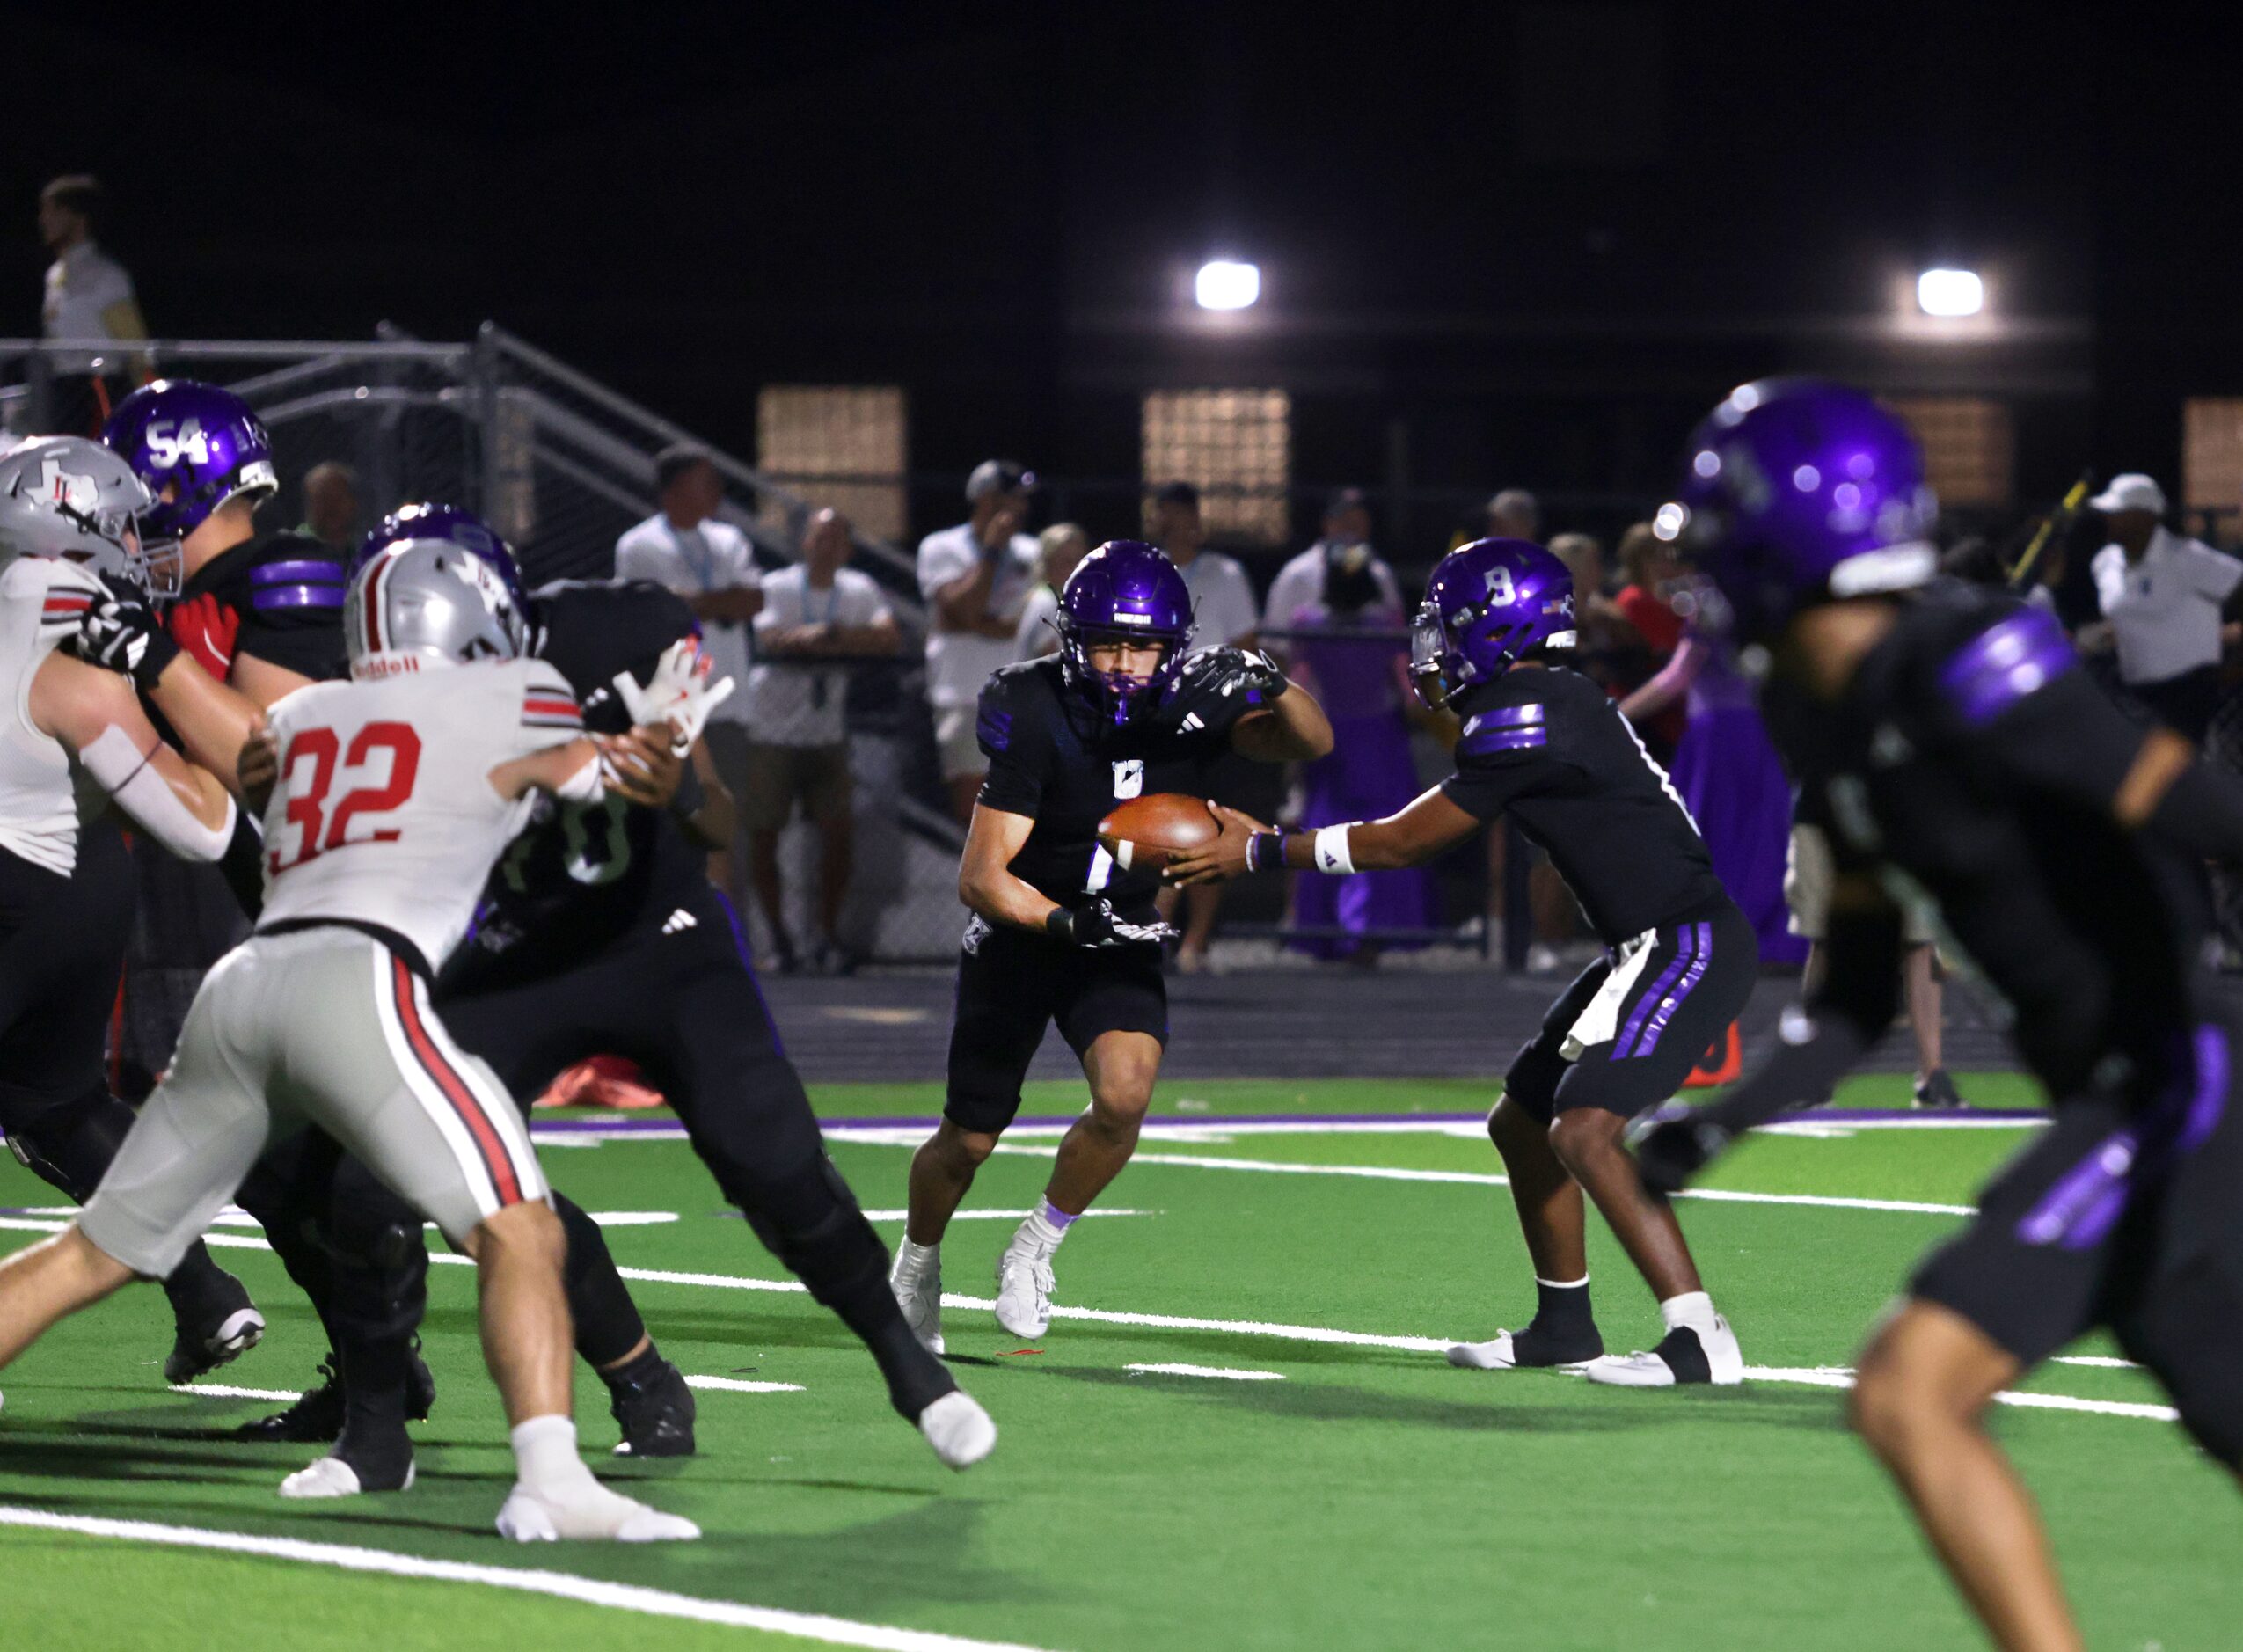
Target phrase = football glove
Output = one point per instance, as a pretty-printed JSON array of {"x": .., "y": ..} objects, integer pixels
[
  {"x": 1099, "y": 925},
  {"x": 679, "y": 694},
  {"x": 1673, "y": 1144},
  {"x": 121, "y": 633},
  {"x": 1247, "y": 678}
]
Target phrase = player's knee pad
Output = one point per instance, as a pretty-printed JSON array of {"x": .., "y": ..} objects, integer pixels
[
  {"x": 810, "y": 1220},
  {"x": 70, "y": 1147}
]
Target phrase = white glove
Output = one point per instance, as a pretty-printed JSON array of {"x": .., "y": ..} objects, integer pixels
[{"x": 679, "y": 694}]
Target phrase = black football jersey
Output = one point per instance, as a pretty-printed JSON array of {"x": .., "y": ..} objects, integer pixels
[
  {"x": 1546, "y": 745},
  {"x": 581, "y": 877},
  {"x": 1051, "y": 760},
  {"x": 1972, "y": 761},
  {"x": 278, "y": 597}
]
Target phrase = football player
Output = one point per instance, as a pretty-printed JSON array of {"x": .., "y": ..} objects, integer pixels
[
  {"x": 1060, "y": 934},
  {"x": 1963, "y": 753},
  {"x": 389, "y": 797},
  {"x": 600, "y": 933},
  {"x": 1491, "y": 643},
  {"x": 69, "y": 515}
]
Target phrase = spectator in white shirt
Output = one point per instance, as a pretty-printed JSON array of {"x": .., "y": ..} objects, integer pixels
[
  {"x": 88, "y": 296},
  {"x": 2161, "y": 596},
  {"x": 976, "y": 578},
  {"x": 815, "y": 616},
  {"x": 1223, "y": 613},
  {"x": 1300, "y": 583},
  {"x": 1060, "y": 550},
  {"x": 685, "y": 548}
]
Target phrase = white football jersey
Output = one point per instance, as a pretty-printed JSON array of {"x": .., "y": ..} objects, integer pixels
[
  {"x": 41, "y": 601},
  {"x": 384, "y": 813}
]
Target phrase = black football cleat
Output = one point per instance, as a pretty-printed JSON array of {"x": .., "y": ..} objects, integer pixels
[
  {"x": 317, "y": 1414},
  {"x": 222, "y": 1331},
  {"x": 1936, "y": 1090},
  {"x": 655, "y": 1414}
]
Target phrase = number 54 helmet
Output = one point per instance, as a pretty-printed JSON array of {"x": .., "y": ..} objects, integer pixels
[
  {"x": 65, "y": 496},
  {"x": 1486, "y": 605},
  {"x": 194, "y": 447},
  {"x": 422, "y": 602}
]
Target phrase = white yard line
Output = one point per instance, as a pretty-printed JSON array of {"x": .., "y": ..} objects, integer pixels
[
  {"x": 733, "y": 1385},
  {"x": 1226, "y": 1373},
  {"x": 998, "y": 1216},
  {"x": 590, "y": 1591},
  {"x": 224, "y": 1390}
]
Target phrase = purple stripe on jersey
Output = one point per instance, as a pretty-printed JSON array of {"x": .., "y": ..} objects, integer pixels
[
  {"x": 1659, "y": 988},
  {"x": 2079, "y": 1212},
  {"x": 994, "y": 728},
  {"x": 273, "y": 596},
  {"x": 302, "y": 571},
  {"x": 1510, "y": 740},
  {"x": 1702, "y": 936},
  {"x": 2006, "y": 662},
  {"x": 1512, "y": 716}
]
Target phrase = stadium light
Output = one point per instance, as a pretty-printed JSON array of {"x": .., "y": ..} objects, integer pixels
[
  {"x": 1225, "y": 284},
  {"x": 1950, "y": 292}
]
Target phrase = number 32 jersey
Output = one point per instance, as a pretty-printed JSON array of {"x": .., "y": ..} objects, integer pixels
[{"x": 383, "y": 815}]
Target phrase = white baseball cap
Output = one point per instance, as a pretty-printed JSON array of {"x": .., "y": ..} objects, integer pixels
[{"x": 2131, "y": 491}]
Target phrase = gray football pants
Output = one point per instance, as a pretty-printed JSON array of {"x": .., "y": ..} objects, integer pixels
[{"x": 326, "y": 1026}]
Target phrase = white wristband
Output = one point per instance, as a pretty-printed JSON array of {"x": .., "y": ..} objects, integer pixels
[
  {"x": 129, "y": 775},
  {"x": 1331, "y": 850}
]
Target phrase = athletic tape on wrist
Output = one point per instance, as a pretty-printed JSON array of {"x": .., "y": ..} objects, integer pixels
[{"x": 1331, "y": 850}]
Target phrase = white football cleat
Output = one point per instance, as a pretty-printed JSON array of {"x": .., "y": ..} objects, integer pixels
[
  {"x": 1688, "y": 1354},
  {"x": 330, "y": 1477},
  {"x": 1496, "y": 1354},
  {"x": 916, "y": 1280},
  {"x": 959, "y": 1430},
  {"x": 1024, "y": 1284},
  {"x": 590, "y": 1511}
]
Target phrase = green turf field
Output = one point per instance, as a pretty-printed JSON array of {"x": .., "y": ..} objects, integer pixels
[{"x": 1356, "y": 1491}]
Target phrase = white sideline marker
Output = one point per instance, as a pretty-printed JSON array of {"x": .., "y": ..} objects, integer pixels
[
  {"x": 1227, "y": 1373},
  {"x": 591, "y": 1591}
]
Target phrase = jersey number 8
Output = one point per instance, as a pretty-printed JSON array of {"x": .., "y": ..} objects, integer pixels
[{"x": 318, "y": 749}]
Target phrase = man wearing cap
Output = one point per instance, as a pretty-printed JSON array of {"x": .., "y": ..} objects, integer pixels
[
  {"x": 976, "y": 578},
  {"x": 1300, "y": 583},
  {"x": 2161, "y": 596}
]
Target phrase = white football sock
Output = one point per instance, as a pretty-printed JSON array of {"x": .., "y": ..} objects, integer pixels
[
  {"x": 545, "y": 1457},
  {"x": 1048, "y": 1223},
  {"x": 1693, "y": 1308},
  {"x": 911, "y": 1261}
]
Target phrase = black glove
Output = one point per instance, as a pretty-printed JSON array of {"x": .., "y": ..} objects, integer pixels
[
  {"x": 121, "y": 633},
  {"x": 1223, "y": 684},
  {"x": 1099, "y": 925},
  {"x": 1673, "y": 1144}
]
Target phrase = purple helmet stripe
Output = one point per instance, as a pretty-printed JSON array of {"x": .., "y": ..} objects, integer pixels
[
  {"x": 2006, "y": 663},
  {"x": 1702, "y": 937}
]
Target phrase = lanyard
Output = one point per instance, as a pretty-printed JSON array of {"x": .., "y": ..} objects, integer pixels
[{"x": 703, "y": 565}]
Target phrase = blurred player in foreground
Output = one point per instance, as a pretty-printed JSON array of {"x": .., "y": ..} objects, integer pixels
[
  {"x": 1491, "y": 643},
  {"x": 1963, "y": 753},
  {"x": 76, "y": 739},
  {"x": 1060, "y": 934},
  {"x": 389, "y": 796}
]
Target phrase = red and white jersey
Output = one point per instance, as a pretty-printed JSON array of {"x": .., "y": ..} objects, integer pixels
[
  {"x": 384, "y": 813},
  {"x": 43, "y": 599}
]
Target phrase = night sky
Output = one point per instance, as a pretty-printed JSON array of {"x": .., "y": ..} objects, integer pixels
[{"x": 1542, "y": 235}]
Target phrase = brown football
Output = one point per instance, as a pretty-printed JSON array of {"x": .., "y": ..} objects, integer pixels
[{"x": 1147, "y": 832}]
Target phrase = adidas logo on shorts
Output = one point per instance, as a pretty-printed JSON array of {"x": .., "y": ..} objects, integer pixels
[{"x": 679, "y": 921}]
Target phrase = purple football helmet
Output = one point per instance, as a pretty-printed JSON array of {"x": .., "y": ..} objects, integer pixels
[
  {"x": 1797, "y": 490},
  {"x": 1125, "y": 591},
  {"x": 1486, "y": 605},
  {"x": 194, "y": 447},
  {"x": 456, "y": 526}
]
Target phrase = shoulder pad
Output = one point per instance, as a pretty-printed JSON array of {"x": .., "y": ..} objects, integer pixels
[
  {"x": 294, "y": 574},
  {"x": 2005, "y": 664},
  {"x": 1519, "y": 728}
]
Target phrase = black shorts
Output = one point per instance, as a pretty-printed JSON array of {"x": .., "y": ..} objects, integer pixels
[
  {"x": 1627, "y": 1032},
  {"x": 2123, "y": 1220},
  {"x": 1011, "y": 985},
  {"x": 682, "y": 1003},
  {"x": 62, "y": 949}
]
